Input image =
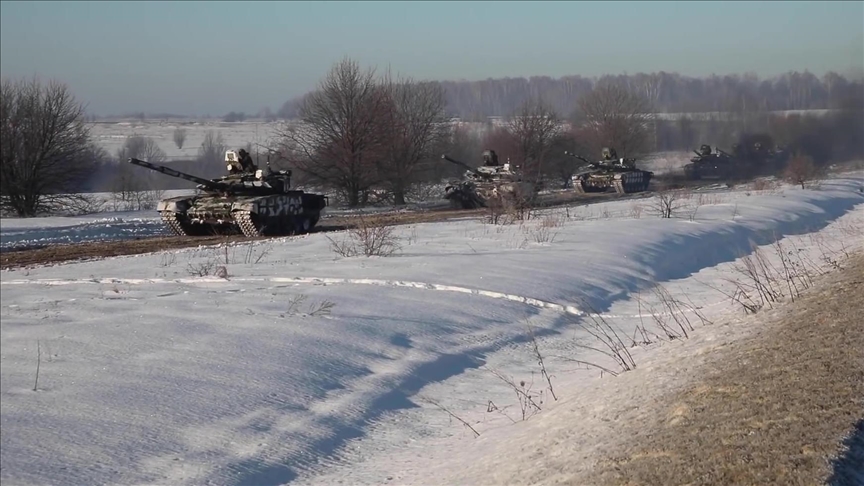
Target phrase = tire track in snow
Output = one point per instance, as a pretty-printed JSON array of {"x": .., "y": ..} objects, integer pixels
[{"x": 542, "y": 304}]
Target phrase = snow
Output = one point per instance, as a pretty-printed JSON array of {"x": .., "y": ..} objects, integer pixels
[
  {"x": 150, "y": 374},
  {"x": 112, "y": 136}
]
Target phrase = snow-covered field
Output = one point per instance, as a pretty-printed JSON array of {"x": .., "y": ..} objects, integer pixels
[
  {"x": 111, "y": 136},
  {"x": 304, "y": 366}
]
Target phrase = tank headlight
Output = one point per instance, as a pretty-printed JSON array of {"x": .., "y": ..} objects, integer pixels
[
  {"x": 259, "y": 174},
  {"x": 229, "y": 166}
]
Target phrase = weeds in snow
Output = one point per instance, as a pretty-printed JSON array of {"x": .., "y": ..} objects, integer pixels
[
  {"x": 668, "y": 202},
  {"x": 544, "y": 231},
  {"x": 369, "y": 237},
  {"x": 167, "y": 259},
  {"x": 38, "y": 364},
  {"x": 295, "y": 308},
  {"x": 671, "y": 318},
  {"x": 781, "y": 271},
  {"x": 524, "y": 394},
  {"x": 451, "y": 414},
  {"x": 610, "y": 343},
  {"x": 203, "y": 269},
  {"x": 540, "y": 362},
  {"x": 322, "y": 308}
]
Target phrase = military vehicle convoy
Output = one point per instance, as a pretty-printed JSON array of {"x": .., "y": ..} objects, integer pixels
[
  {"x": 754, "y": 155},
  {"x": 619, "y": 173},
  {"x": 492, "y": 182},
  {"x": 252, "y": 201}
]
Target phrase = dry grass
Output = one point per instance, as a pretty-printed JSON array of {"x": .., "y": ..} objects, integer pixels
[{"x": 772, "y": 409}]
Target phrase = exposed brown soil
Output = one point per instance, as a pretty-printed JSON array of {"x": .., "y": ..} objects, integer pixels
[{"x": 771, "y": 409}]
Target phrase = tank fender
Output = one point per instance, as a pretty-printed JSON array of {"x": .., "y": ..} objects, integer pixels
[
  {"x": 273, "y": 205},
  {"x": 179, "y": 204},
  {"x": 314, "y": 202}
]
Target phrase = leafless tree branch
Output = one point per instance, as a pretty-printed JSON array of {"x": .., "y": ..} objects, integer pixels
[{"x": 45, "y": 147}]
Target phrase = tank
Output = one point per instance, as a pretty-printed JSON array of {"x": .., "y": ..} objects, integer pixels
[
  {"x": 490, "y": 182},
  {"x": 253, "y": 202},
  {"x": 620, "y": 174},
  {"x": 758, "y": 156},
  {"x": 752, "y": 156},
  {"x": 710, "y": 165}
]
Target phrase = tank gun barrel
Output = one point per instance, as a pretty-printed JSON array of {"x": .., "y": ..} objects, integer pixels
[
  {"x": 583, "y": 159},
  {"x": 176, "y": 173},
  {"x": 454, "y": 161}
]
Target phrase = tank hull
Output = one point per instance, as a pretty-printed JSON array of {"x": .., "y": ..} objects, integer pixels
[
  {"x": 621, "y": 182},
  {"x": 471, "y": 195},
  {"x": 707, "y": 170},
  {"x": 293, "y": 212}
]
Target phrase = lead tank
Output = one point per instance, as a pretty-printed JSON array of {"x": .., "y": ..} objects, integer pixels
[
  {"x": 254, "y": 202},
  {"x": 491, "y": 182},
  {"x": 619, "y": 173}
]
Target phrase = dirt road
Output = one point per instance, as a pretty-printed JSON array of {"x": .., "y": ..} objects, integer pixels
[{"x": 94, "y": 250}]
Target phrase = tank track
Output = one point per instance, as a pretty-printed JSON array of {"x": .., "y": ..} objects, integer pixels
[
  {"x": 577, "y": 186},
  {"x": 173, "y": 222},
  {"x": 630, "y": 182},
  {"x": 247, "y": 226}
]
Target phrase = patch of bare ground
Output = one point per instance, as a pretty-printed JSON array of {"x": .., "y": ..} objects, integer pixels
[{"x": 778, "y": 407}]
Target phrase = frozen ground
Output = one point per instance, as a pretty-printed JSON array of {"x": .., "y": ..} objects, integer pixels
[{"x": 308, "y": 367}]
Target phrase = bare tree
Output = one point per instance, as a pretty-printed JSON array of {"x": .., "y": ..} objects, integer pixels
[
  {"x": 133, "y": 188},
  {"x": 560, "y": 166},
  {"x": 462, "y": 144},
  {"x": 651, "y": 86},
  {"x": 801, "y": 169},
  {"x": 534, "y": 128},
  {"x": 212, "y": 149},
  {"x": 340, "y": 137},
  {"x": 45, "y": 147},
  {"x": 179, "y": 137},
  {"x": 415, "y": 124},
  {"x": 140, "y": 147},
  {"x": 618, "y": 117}
]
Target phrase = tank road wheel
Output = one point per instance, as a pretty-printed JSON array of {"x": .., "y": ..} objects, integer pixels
[
  {"x": 181, "y": 227},
  {"x": 578, "y": 186},
  {"x": 173, "y": 224},
  {"x": 302, "y": 225},
  {"x": 249, "y": 224}
]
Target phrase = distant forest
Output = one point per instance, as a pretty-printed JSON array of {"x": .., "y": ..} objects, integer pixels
[{"x": 669, "y": 93}]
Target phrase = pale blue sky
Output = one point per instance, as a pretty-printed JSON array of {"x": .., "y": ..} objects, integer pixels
[{"x": 213, "y": 57}]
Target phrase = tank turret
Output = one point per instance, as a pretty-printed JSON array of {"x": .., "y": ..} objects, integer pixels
[{"x": 253, "y": 201}]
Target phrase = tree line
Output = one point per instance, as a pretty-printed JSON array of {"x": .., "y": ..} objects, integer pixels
[{"x": 667, "y": 92}]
